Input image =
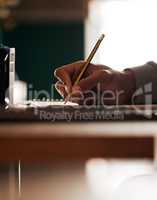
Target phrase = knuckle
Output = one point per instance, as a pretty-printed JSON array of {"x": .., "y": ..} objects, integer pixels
[
  {"x": 104, "y": 74},
  {"x": 58, "y": 72},
  {"x": 79, "y": 62}
]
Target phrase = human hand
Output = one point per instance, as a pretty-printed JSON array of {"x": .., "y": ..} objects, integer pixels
[{"x": 99, "y": 84}]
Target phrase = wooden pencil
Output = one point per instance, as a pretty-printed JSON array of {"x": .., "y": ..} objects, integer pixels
[{"x": 90, "y": 57}]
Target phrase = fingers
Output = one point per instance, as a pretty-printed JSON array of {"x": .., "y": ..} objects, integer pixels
[
  {"x": 64, "y": 78},
  {"x": 83, "y": 98},
  {"x": 91, "y": 81},
  {"x": 76, "y": 95},
  {"x": 60, "y": 87},
  {"x": 67, "y": 73},
  {"x": 83, "y": 92}
]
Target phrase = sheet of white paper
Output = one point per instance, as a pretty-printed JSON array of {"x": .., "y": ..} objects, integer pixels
[{"x": 50, "y": 103}]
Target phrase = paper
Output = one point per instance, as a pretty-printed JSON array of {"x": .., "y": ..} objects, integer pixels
[{"x": 49, "y": 103}]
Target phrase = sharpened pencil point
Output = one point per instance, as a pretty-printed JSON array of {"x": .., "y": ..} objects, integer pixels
[{"x": 102, "y": 36}]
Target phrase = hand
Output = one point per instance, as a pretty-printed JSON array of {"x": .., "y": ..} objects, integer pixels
[{"x": 99, "y": 84}]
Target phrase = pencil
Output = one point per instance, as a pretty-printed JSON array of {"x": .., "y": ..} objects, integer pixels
[{"x": 90, "y": 57}]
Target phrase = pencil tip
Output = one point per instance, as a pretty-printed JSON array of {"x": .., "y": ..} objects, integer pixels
[{"x": 102, "y": 36}]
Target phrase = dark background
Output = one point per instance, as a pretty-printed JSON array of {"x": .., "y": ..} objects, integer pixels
[{"x": 40, "y": 48}]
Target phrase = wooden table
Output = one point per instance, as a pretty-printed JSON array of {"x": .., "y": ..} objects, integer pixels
[
  {"x": 25, "y": 138},
  {"x": 36, "y": 141}
]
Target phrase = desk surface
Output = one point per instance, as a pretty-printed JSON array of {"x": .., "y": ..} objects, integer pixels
[
  {"x": 79, "y": 130},
  {"x": 29, "y": 133},
  {"x": 78, "y": 113},
  {"x": 48, "y": 141}
]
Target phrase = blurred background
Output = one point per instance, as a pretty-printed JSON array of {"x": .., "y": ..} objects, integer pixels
[{"x": 48, "y": 34}]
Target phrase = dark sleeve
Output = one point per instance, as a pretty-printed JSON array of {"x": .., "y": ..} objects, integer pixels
[{"x": 146, "y": 83}]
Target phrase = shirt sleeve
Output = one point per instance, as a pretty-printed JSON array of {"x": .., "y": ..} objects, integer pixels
[{"x": 146, "y": 83}]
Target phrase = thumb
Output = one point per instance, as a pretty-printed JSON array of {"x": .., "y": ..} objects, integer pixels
[{"x": 104, "y": 76}]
